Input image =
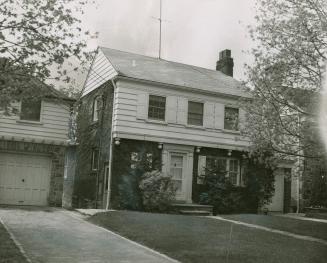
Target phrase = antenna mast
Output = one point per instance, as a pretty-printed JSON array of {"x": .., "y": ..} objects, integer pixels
[{"x": 160, "y": 21}]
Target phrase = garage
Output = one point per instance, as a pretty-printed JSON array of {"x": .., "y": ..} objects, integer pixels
[{"x": 24, "y": 179}]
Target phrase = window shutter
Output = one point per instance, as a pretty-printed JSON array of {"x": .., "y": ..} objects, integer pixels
[
  {"x": 209, "y": 115},
  {"x": 182, "y": 110},
  {"x": 201, "y": 168},
  {"x": 142, "y": 106},
  {"x": 171, "y": 109},
  {"x": 242, "y": 118},
  {"x": 219, "y": 115}
]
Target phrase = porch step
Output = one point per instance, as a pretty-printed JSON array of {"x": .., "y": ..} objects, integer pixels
[
  {"x": 192, "y": 209},
  {"x": 195, "y": 213}
]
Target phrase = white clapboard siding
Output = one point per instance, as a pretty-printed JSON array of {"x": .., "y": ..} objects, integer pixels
[
  {"x": 180, "y": 133},
  {"x": 171, "y": 109},
  {"x": 53, "y": 124},
  {"x": 242, "y": 118},
  {"x": 209, "y": 115},
  {"x": 100, "y": 72},
  {"x": 131, "y": 120},
  {"x": 142, "y": 106},
  {"x": 182, "y": 110},
  {"x": 219, "y": 115}
]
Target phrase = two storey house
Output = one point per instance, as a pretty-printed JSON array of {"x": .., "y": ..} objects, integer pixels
[
  {"x": 33, "y": 143},
  {"x": 183, "y": 117}
]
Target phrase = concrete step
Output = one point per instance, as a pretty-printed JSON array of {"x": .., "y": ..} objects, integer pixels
[
  {"x": 192, "y": 209},
  {"x": 195, "y": 213}
]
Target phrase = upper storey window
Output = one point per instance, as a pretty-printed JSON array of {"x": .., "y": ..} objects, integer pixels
[
  {"x": 231, "y": 119},
  {"x": 195, "y": 113},
  {"x": 30, "y": 110},
  {"x": 157, "y": 107},
  {"x": 97, "y": 104}
]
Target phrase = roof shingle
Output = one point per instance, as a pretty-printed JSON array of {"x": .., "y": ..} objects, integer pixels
[{"x": 173, "y": 73}]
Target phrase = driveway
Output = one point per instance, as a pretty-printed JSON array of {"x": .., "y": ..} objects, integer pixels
[{"x": 56, "y": 235}]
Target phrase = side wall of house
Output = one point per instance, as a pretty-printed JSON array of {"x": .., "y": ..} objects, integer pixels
[
  {"x": 53, "y": 125},
  {"x": 93, "y": 135}
]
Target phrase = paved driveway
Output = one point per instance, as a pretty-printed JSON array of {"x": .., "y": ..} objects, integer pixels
[{"x": 57, "y": 235}]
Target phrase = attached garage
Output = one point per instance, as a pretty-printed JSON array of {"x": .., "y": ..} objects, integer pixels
[{"x": 24, "y": 179}]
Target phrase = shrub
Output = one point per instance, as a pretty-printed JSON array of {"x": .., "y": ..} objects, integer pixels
[
  {"x": 128, "y": 192},
  {"x": 157, "y": 190},
  {"x": 225, "y": 197},
  {"x": 219, "y": 191}
]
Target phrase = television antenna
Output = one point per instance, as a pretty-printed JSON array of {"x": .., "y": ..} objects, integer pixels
[{"x": 160, "y": 26}]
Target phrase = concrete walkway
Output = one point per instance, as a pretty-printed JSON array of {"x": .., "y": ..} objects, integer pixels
[
  {"x": 56, "y": 235},
  {"x": 272, "y": 230},
  {"x": 301, "y": 216}
]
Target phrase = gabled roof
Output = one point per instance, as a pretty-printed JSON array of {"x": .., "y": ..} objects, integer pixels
[{"x": 167, "y": 72}]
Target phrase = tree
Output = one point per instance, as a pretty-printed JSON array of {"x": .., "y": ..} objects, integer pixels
[
  {"x": 37, "y": 38},
  {"x": 286, "y": 77}
]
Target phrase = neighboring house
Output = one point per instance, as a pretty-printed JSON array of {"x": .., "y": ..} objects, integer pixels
[
  {"x": 33, "y": 141},
  {"x": 183, "y": 117},
  {"x": 301, "y": 181}
]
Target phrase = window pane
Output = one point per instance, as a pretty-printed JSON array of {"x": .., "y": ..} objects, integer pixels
[
  {"x": 233, "y": 171},
  {"x": 97, "y": 104},
  {"x": 157, "y": 107},
  {"x": 231, "y": 119},
  {"x": 214, "y": 163},
  {"x": 95, "y": 159},
  {"x": 30, "y": 110},
  {"x": 195, "y": 113}
]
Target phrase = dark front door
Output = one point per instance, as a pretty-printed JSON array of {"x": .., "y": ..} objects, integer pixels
[{"x": 287, "y": 190}]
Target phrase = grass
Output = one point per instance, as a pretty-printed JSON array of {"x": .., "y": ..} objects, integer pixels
[
  {"x": 8, "y": 250},
  {"x": 199, "y": 239},
  {"x": 296, "y": 226}
]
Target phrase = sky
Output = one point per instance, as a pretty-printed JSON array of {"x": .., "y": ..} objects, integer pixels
[{"x": 193, "y": 31}]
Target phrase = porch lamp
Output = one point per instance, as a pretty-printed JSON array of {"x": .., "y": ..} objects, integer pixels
[
  {"x": 197, "y": 149},
  {"x": 160, "y": 146},
  {"x": 229, "y": 153},
  {"x": 117, "y": 141}
]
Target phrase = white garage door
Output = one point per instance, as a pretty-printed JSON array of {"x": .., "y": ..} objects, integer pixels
[{"x": 24, "y": 179}]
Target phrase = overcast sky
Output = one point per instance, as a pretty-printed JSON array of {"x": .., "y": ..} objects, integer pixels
[{"x": 193, "y": 31}]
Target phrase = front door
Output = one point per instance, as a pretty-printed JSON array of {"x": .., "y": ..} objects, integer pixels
[{"x": 177, "y": 171}]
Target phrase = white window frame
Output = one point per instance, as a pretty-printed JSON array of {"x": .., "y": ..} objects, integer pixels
[
  {"x": 95, "y": 166},
  {"x": 31, "y": 121},
  {"x": 188, "y": 111},
  {"x": 228, "y": 159},
  {"x": 96, "y": 108},
  {"x": 238, "y": 118},
  {"x": 165, "y": 109}
]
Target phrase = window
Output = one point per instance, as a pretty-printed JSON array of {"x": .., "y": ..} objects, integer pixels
[
  {"x": 97, "y": 105},
  {"x": 228, "y": 165},
  {"x": 137, "y": 158},
  {"x": 231, "y": 119},
  {"x": 157, "y": 107},
  {"x": 30, "y": 110},
  {"x": 95, "y": 160},
  {"x": 195, "y": 113},
  {"x": 233, "y": 171}
]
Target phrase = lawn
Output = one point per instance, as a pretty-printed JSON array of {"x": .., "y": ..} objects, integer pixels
[
  {"x": 200, "y": 239},
  {"x": 296, "y": 226},
  {"x": 9, "y": 253}
]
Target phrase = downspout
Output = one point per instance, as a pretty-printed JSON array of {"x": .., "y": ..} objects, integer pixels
[
  {"x": 111, "y": 149},
  {"x": 299, "y": 172}
]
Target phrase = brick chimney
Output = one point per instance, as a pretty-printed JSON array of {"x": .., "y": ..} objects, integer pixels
[{"x": 225, "y": 63}]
